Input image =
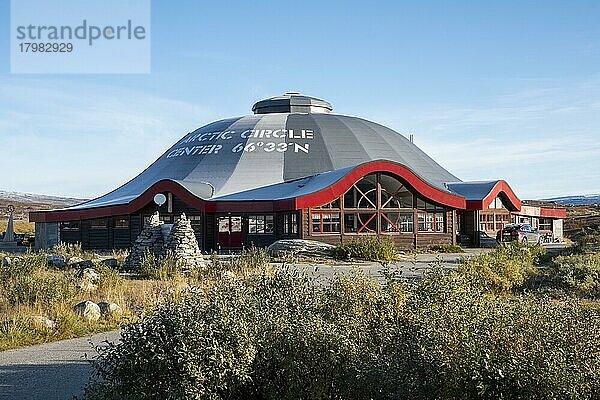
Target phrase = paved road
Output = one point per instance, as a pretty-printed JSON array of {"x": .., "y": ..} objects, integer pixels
[
  {"x": 412, "y": 267},
  {"x": 51, "y": 371}
]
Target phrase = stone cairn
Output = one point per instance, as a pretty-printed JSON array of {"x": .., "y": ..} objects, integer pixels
[
  {"x": 179, "y": 242},
  {"x": 182, "y": 243},
  {"x": 150, "y": 240}
]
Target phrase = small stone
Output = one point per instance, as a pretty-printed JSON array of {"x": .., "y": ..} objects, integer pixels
[
  {"x": 89, "y": 279},
  {"x": 88, "y": 310},
  {"x": 110, "y": 262},
  {"x": 82, "y": 264},
  {"x": 42, "y": 322},
  {"x": 108, "y": 309},
  {"x": 57, "y": 261}
]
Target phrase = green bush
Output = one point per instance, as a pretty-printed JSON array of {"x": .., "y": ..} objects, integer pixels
[
  {"x": 502, "y": 269},
  {"x": 281, "y": 335},
  {"x": 579, "y": 273},
  {"x": 369, "y": 248},
  {"x": 588, "y": 241}
]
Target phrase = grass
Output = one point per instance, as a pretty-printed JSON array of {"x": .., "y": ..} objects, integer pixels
[
  {"x": 30, "y": 288},
  {"x": 19, "y": 226}
]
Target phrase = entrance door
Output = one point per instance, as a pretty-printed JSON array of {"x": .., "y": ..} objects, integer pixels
[{"x": 230, "y": 231}]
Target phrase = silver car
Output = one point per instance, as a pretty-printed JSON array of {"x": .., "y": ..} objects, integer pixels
[{"x": 523, "y": 233}]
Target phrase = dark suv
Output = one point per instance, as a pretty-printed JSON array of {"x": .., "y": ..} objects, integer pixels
[{"x": 523, "y": 233}]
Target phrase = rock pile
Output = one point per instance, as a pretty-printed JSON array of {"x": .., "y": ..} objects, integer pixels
[
  {"x": 150, "y": 240},
  {"x": 182, "y": 243},
  {"x": 178, "y": 240}
]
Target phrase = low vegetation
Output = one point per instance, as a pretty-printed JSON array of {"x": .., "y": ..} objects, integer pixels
[
  {"x": 475, "y": 332},
  {"x": 368, "y": 248},
  {"x": 32, "y": 290}
]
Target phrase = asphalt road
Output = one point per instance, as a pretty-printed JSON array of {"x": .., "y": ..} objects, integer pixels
[{"x": 50, "y": 371}]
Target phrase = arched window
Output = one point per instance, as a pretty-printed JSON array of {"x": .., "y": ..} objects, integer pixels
[{"x": 378, "y": 203}]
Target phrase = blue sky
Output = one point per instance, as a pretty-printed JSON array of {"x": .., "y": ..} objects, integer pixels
[{"x": 505, "y": 90}]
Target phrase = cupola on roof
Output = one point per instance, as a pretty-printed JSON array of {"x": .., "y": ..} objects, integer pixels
[{"x": 291, "y": 102}]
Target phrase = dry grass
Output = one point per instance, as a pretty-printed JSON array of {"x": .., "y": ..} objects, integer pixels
[
  {"x": 20, "y": 226},
  {"x": 34, "y": 289}
]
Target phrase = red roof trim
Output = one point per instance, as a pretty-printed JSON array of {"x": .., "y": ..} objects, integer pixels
[
  {"x": 323, "y": 196},
  {"x": 340, "y": 187},
  {"x": 123, "y": 209},
  {"x": 500, "y": 188}
]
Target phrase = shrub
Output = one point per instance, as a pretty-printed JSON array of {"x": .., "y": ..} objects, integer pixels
[
  {"x": 486, "y": 346},
  {"x": 283, "y": 336},
  {"x": 579, "y": 273},
  {"x": 588, "y": 241},
  {"x": 68, "y": 249},
  {"x": 502, "y": 269},
  {"x": 369, "y": 248}
]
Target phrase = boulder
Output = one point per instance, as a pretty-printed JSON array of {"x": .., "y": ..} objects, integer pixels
[
  {"x": 56, "y": 261},
  {"x": 89, "y": 279},
  {"x": 300, "y": 247},
  {"x": 108, "y": 309},
  {"x": 82, "y": 264},
  {"x": 109, "y": 262},
  {"x": 42, "y": 322},
  {"x": 74, "y": 260},
  {"x": 88, "y": 310}
]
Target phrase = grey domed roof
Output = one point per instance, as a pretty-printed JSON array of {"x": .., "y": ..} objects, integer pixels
[{"x": 244, "y": 153}]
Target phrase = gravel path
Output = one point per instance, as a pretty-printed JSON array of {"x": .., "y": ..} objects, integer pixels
[{"x": 50, "y": 371}]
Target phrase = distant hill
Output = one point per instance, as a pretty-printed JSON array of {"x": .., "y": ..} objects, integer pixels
[
  {"x": 580, "y": 200},
  {"x": 29, "y": 198},
  {"x": 26, "y": 202}
]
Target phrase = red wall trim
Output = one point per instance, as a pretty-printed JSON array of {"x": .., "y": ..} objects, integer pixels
[{"x": 553, "y": 212}]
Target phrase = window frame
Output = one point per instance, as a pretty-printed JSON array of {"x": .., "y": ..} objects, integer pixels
[{"x": 266, "y": 226}]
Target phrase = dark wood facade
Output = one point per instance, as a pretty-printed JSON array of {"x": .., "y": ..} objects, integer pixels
[{"x": 222, "y": 231}]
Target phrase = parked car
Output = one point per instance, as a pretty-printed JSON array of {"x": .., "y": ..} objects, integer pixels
[{"x": 523, "y": 233}]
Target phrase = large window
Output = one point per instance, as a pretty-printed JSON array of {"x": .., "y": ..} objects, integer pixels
[
  {"x": 260, "y": 224},
  {"x": 379, "y": 203},
  {"x": 360, "y": 222},
  {"x": 121, "y": 223},
  {"x": 432, "y": 222},
  {"x": 545, "y": 224}
]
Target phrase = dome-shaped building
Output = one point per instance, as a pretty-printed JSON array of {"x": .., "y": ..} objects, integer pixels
[{"x": 293, "y": 169}]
